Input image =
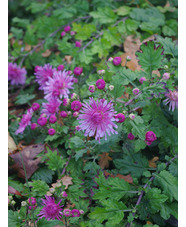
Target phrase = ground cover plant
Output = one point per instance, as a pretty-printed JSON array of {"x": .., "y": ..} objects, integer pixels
[{"x": 93, "y": 113}]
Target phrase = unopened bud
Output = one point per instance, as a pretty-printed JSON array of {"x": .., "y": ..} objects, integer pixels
[
  {"x": 13, "y": 202},
  {"x": 101, "y": 72},
  {"x": 128, "y": 58},
  {"x": 110, "y": 59},
  {"x": 166, "y": 66},
  {"x": 52, "y": 190},
  {"x": 131, "y": 116},
  {"x": 111, "y": 87},
  {"x": 23, "y": 203},
  {"x": 81, "y": 211}
]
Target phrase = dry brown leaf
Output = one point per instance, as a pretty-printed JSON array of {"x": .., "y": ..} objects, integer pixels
[
  {"x": 156, "y": 72},
  {"x": 12, "y": 190},
  {"x": 66, "y": 180},
  {"x": 104, "y": 160},
  {"x": 29, "y": 154},
  {"x": 68, "y": 59},
  {"x": 11, "y": 144},
  {"x": 131, "y": 45},
  {"x": 149, "y": 223},
  {"x": 152, "y": 162},
  {"x": 133, "y": 64},
  {"x": 47, "y": 53},
  {"x": 127, "y": 178},
  {"x": 57, "y": 53},
  {"x": 28, "y": 47}
]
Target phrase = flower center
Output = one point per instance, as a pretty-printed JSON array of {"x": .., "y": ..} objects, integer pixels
[{"x": 97, "y": 117}]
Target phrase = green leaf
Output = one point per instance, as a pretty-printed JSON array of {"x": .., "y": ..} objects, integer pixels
[
  {"x": 171, "y": 28},
  {"x": 170, "y": 47},
  {"x": 104, "y": 15},
  {"x": 23, "y": 99},
  {"x": 128, "y": 76},
  {"x": 168, "y": 183},
  {"x": 101, "y": 47},
  {"x": 113, "y": 211},
  {"x": 15, "y": 184},
  {"x": 64, "y": 12},
  {"x": 39, "y": 187},
  {"x": 135, "y": 165},
  {"x": 85, "y": 57},
  {"x": 76, "y": 143},
  {"x": 13, "y": 219},
  {"x": 145, "y": 15},
  {"x": 131, "y": 25},
  {"x": 118, "y": 88},
  {"x": 112, "y": 36},
  {"x": 168, "y": 209},
  {"x": 112, "y": 188},
  {"x": 54, "y": 162},
  {"x": 18, "y": 33},
  {"x": 83, "y": 32},
  {"x": 43, "y": 174},
  {"x": 80, "y": 154},
  {"x": 45, "y": 223},
  {"x": 150, "y": 58},
  {"x": 156, "y": 199},
  {"x": 20, "y": 22},
  {"x": 123, "y": 10}
]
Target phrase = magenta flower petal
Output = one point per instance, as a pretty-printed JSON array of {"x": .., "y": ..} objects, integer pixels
[
  {"x": 16, "y": 74},
  {"x": 96, "y": 118}
]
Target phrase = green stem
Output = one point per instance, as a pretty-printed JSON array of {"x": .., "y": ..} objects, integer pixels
[{"x": 27, "y": 185}]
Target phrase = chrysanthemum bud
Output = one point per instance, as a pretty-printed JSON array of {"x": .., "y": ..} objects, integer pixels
[
  {"x": 33, "y": 126},
  {"x": 128, "y": 58},
  {"x": 63, "y": 34},
  {"x": 142, "y": 79},
  {"x": 110, "y": 59},
  {"x": 75, "y": 114},
  {"x": 166, "y": 76},
  {"x": 100, "y": 84},
  {"x": 13, "y": 202},
  {"x": 67, "y": 28},
  {"x": 81, "y": 211},
  {"x": 64, "y": 194},
  {"x": 52, "y": 190},
  {"x": 91, "y": 88},
  {"x": 135, "y": 91},
  {"x": 77, "y": 44},
  {"x": 166, "y": 66},
  {"x": 101, "y": 72},
  {"x": 117, "y": 61},
  {"x": 51, "y": 131},
  {"x": 72, "y": 32},
  {"x": 111, "y": 87},
  {"x": 131, "y": 116},
  {"x": 23, "y": 203},
  {"x": 73, "y": 96}
]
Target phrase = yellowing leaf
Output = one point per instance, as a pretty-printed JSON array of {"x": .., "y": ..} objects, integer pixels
[
  {"x": 66, "y": 181},
  {"x": 152, "y": 162},
  {"x": 46, "y": 54},
  {"x": 11, "y": 144},
  {"x": 104, "y": 160}
]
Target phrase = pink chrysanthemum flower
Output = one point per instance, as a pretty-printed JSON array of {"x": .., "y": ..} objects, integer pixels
[
  {"x": 16, "y": 74},
  {"x": 43, "y": 74},
  {"x": 67, "y": 28},
  {"x": 75, "y": 213},
  {"x": 51, "y": 107},
  {"x": 78, "y": 70},
  {"x": 131, "y": 136},
  {"x": 91, "y": 88},
  {"x": 172, "y": 99},
  {"x": 67, "y": 212},
  {"x": 25, "y": 121},
  {"x": 142, "y": 79},
  {"x": 58, "y": 86},
  {"x": 78, "y": 44},
  {"x": 117, "y": 61},
  {"x": 51, "y": 210},
  {"x": 33, "y": 126},
  {"x": 150, "y": 136},
  {"x": 100, "y": 84},
  {"x": 120, "y": 117},
  {"x": 76, "y": 105},
  {"x": 97, "y": 118},
  {"x": 135, "y": 91}
]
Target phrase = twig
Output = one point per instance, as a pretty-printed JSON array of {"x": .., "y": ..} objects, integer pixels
[
  {"x": 51, "y": 35},
  {"x": 64, "y": 169},
  {"x": 142, "y": 192},
  {"x": 99, "y": 35}
]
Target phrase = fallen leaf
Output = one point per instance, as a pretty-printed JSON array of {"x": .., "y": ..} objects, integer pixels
[
  {"x": 156, "y": 72},
  {"x": 104, "y": 160},
  {"x": 131, "y": 45},
  {"x": 152, "y": 162},
  {"x": 28, "y": 47},
  {"x": 127, "y": 178},
  {"x": 66, "y": 180},
  {"x": 57, "y": 53},
  {"x": 11, "y": 144},
  {"x": 68, "y": 59},
  {"x": 29, "y": 154},
  {"x": 47, "y": 53},
  {"x": 149, "y": 223},
  {"x": 12, "y": 190}
]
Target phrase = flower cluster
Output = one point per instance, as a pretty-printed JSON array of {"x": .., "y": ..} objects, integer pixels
[{"x": 16, "y": 74}]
